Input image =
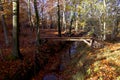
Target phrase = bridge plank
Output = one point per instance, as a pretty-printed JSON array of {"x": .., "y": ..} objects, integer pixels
[
  {"x": 88, "y": 41},
  {"x": 67, "y": 38}
]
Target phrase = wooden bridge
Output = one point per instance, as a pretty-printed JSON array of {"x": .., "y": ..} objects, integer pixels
[
  {"x": 52, "y": 35},
  {"x": 66, "y": 38},
  {"x": 88, "y": 41}
]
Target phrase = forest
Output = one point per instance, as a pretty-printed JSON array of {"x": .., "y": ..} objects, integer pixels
[{"x": 59, "y": 39}]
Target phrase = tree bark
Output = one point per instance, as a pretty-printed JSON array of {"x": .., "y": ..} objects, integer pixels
[
  {"x": 104, "y": 20},
  {"x": 71, "y": 21},
  {"x": 16, "y": 50},
  {"x": 29, "y": 15},
  {"x": 59, "y": 27},
  {"x": 64, "y": 21},
  {"x": 104, "y": 32},
  {"x": 4, "y": 25},
  {"x": 37, "y": 23},
  {"x": 76, "y": 24},
  {"x": 42, "y": 10}
]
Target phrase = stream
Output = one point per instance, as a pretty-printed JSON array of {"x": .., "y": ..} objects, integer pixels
[{"x": 65, "y": 60}]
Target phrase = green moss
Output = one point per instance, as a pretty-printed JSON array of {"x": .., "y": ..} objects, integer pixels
[
  {"x": 10, "y": 57},
  {"x": 78, "y": 76},
  {"x": 96, "y": 66},
  {"x": 89, "y": 71}
]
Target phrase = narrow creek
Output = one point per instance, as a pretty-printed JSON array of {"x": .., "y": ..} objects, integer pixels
[{"x": 65, "y": 59}]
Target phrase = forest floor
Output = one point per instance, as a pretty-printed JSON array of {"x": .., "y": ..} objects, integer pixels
[
  {"x": 88, "y": 64},
  {"x": 21, "y": 69},
  {"x": 95, "y": 64}
]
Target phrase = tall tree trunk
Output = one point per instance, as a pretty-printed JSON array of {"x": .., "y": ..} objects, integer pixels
[
  {"x": 4, "y": 24},
  {"x": 50, "y": 21},
  {"x": 37, "y": 23},
  {"x": 76, "y": 25},
  {"x": 59, "y": 27},
  {"x": 104, "y": 32},
  {"x": 16, "y": 51},
  {"x": 71, "y": 21},
  {"x": 76, "y": 19},
  {"x": 115, "y": 31},
  {"x": 29, "y": 15},
  {"x": 100, "y": 24},
  {"x": 64, "y": 21},
  {"x": 42, "y": 10},
  {"x": 104, "y": 20}
]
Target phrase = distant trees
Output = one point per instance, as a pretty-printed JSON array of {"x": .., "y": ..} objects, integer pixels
[
  {"x": 114, "y": 18},
  {"x": 100, "y": 17}
]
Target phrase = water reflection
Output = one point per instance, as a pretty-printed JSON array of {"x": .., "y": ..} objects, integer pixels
[
  {"x": 65, "y": 60},
  {"x": 50, "y": 77},
  {"x": 66, "y": 57},
  {"x": 73, "y": 48}
]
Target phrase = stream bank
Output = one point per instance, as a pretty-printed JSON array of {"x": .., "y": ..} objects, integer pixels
[
  {"x": 67, "y": 64},
  {"x": 75, "y": 70},
  {"x": 32, "y": 62}
]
